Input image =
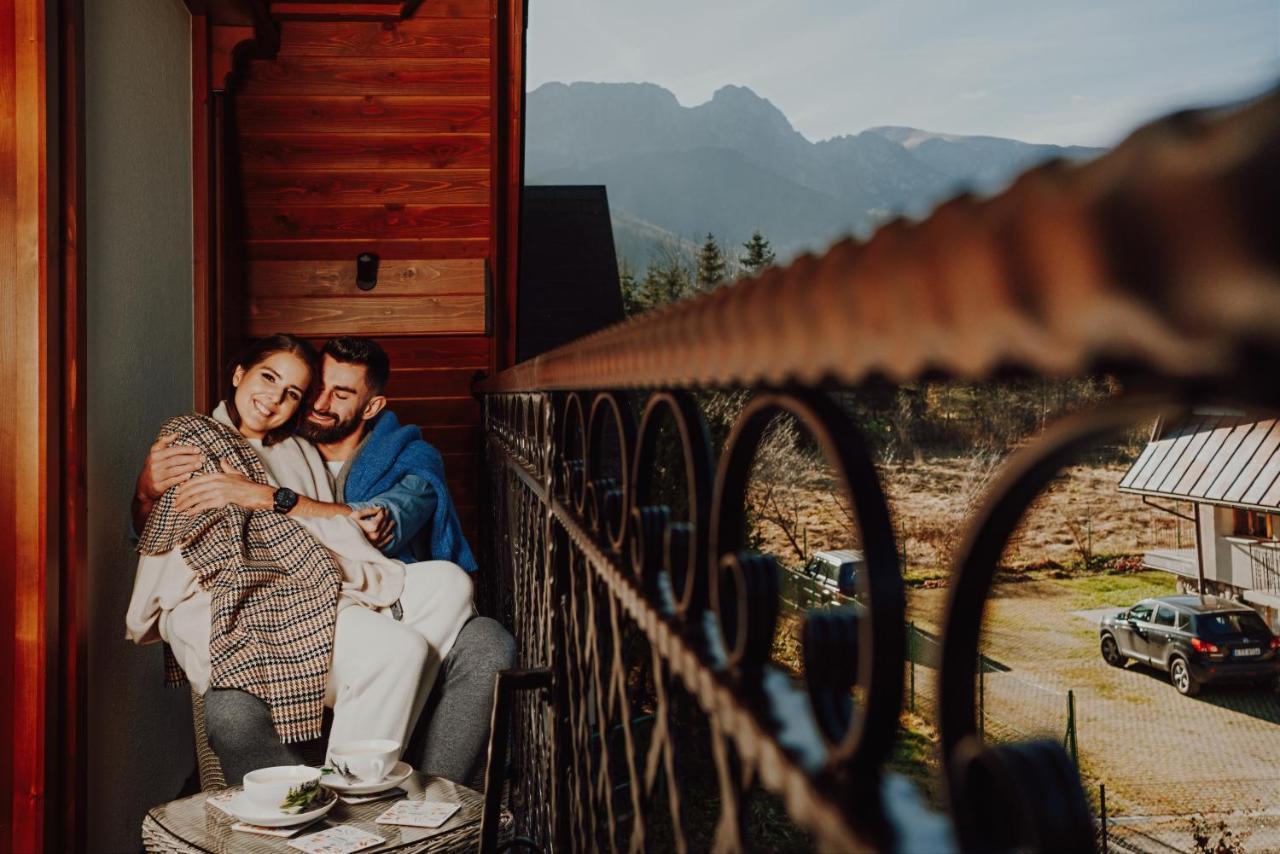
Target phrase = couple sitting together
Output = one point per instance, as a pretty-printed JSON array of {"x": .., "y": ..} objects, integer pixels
[{"x": 291, "y": 571}]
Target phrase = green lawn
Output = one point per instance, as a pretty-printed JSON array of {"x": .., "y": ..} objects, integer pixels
[{"x": 1103, "y": 589}]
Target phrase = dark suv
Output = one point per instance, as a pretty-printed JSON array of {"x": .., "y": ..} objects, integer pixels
[{"x": 1197, "y": 639}]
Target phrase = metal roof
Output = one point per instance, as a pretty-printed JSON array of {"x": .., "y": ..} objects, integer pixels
[
  {"x": 1212, "y": 456},
  {"x": 840, "y": 555}
]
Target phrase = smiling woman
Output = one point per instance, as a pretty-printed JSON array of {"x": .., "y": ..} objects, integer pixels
[{"x": 270, "y": 382}]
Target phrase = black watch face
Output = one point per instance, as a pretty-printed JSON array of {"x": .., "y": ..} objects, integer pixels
[{"x": 285, "y": 499}]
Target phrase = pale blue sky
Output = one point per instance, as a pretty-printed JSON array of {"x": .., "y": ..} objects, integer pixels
[{"x": 1084, "y": 71}]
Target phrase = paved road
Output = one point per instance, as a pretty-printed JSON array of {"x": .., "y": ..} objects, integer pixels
[{"x": 1159, "y": 754}]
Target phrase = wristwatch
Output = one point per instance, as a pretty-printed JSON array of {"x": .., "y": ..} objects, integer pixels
[{"x": 285, "y": 499}]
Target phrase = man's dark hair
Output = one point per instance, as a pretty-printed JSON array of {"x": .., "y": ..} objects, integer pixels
[{"x": 354, "y": 350}]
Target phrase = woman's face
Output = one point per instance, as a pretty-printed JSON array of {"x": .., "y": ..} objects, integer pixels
[{"x": 269, "y": 392}]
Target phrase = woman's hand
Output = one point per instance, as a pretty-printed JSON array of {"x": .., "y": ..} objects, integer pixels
[
  {"x": 218, "y": 489},
  {"x": 377, "y": 523}
]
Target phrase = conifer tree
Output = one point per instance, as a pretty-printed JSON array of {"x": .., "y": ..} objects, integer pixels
[
  {"x": 666, "y": 281},
  {"x": 759, "y": 253},
  {"x": 711, "y": 264},
  {"x": 634, "y": 297}
]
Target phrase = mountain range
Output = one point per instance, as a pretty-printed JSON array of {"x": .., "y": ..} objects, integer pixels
[{"x": 735, "y": 164}]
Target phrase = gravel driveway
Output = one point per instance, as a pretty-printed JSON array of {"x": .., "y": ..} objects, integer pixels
[{"x": 1161, "y": 756}]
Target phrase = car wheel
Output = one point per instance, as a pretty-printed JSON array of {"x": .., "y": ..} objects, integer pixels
[
  {"x": 1183, "y": 681},
  {"x": 1111, "y": 653}
]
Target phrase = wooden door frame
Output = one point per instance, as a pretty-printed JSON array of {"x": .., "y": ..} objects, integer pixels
[{"x": 42, "y": 435}]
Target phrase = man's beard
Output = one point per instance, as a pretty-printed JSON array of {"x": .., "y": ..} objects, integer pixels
[{"x": 320, "y": 435}]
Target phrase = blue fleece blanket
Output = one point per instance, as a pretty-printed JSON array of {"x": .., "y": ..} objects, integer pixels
[{"x": 394, "y": 450}]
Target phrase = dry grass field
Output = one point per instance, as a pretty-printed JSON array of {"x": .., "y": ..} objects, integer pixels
[{"x": 1081, "y": 520}]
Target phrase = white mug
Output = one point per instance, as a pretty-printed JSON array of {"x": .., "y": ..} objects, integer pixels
[{"x": 368, "y": 758}]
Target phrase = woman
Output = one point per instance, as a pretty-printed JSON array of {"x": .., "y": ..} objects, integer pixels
[{"x": 257, "y": 580}]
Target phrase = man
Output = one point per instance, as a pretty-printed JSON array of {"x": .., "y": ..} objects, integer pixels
[{"x": 392, "y": 483}]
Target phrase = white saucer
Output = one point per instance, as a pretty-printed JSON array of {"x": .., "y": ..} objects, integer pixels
[
  {"x": 397, "y": 775},
  {"x": 250, "y": 813}
]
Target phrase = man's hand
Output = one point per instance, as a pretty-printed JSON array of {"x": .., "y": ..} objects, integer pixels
[
  {"x": 218, "y": 489},
  {"x": 166, "y": 466},
  {"x": 378, "y": 524}
]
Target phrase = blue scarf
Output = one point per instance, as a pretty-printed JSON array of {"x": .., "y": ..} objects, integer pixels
[{"x": 394, "y": 450}]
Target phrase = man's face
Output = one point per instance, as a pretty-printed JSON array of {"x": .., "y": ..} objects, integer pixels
[{"x": 342, "y": 405}]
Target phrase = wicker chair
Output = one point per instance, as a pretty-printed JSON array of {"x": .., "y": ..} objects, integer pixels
[{"x": 211, "y": 777}]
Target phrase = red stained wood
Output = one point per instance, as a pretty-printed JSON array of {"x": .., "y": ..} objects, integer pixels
[
  {"x": 416, "y": 114},
  {"x": 203, "y": 325},
  {"x": 338, "y": 278},
  {"x": 367, "y": 315},
  {"x": 424, "y": 38},
  {"x": 464, "y": 351},
  {"x": 437, "y": 410},
  {"x": 364, "y": 75},
  {"x": 510, "y": 139},
  {"x": 30, "y": 432},
  {"x": 349, "y": 249},
  {"x": 416, "y": 9},
  {"x": 329, "y": 11},
  {"x": 363, "y": 151},
  {"x": 431, "y": 382},
  {"x": 409, "y": 187},
  {"x": 68, "y": 776},
  {"x": 464, "y": 486},
  {"x": 449, "y": 438},
  {"x": 224, "y": 40},
  {"x": 307, "y": 222}
]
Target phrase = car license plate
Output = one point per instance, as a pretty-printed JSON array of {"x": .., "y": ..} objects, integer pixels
[{"x": 1247, "y": 651}]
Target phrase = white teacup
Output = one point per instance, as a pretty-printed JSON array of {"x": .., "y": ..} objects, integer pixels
[
  {"x": 268, "y": 788},
  {"x": 368, "y": 758}
]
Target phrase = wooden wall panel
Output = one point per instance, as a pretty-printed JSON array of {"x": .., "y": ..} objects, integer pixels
[
  {"x": 353, "y": 187},
  {"x": 367, "y": 315},
  {"x": 338, "y": 278},
  {"x": 436, "y": 410},
  {"x": 264, "y": 250},
  {"x": 417, "y": 114},
  {"x": 328, "y": 11},
  {"x": 431, "y": 382},
  {"x": 290, "y": 152},
  {"x": 413, "y": 39},
  {"x": 361, "y": 75},
  {"x": 436, "y": 352},
  {"x": 394, "y": 221},
  {"x": 449, "y": 9}
]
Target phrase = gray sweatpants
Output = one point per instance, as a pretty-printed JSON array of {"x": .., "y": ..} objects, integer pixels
[{"x": 451, "y": 735}]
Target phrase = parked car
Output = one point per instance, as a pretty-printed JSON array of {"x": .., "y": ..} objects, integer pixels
[
  {"x": 837, "y": 571},
  {"x": 1196, "y": 639}
]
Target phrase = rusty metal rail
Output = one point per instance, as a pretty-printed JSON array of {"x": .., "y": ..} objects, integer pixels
[{"x": 1160, "y": 261}]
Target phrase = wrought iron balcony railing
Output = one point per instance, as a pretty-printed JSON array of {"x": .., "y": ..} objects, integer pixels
[{"x": 1158, "y": 263}]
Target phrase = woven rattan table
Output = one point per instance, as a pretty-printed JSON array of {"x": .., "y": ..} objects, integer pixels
[{"x": 191, "y": 825}]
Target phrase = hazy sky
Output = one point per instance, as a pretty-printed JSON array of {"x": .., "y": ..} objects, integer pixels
[{"x": 1083, "y": 71}]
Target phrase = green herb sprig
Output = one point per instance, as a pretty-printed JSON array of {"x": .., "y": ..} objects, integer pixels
[{"x": 306, "y": 795}]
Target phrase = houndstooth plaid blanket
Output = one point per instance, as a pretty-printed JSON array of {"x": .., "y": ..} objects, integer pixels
[{"x": 274, "y": 586}]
